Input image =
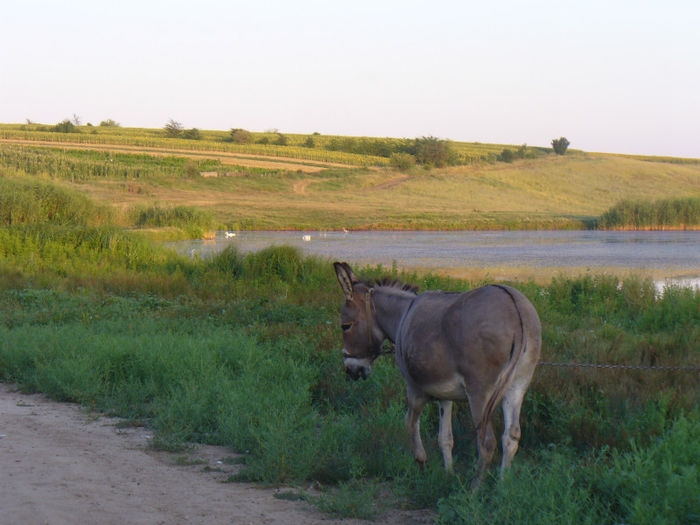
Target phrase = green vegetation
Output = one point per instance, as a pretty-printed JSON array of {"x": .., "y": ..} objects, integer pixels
[
  {"x": 38, "y": 202},
  {"x": 653, "y": 215},
  {"x": 196, "y": 222},
  {"x": 243, "y": 351},
  {"x": 530, "y": 193},
  {"x": 560, "y": 145}
]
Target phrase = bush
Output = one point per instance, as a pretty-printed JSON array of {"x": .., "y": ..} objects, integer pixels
[
  {"x": 507, "y": 155},
  {"x": 65, "y": 126},
  {"x": 309, "y": 143},
  {"x": 281, "y": 140},
  {"x": 560, "y": 145},
  {"x": 402, "y": 161},
  {"x": 192, "y": 134},
  {"x": 109, "y": 123},
  {"x": 241, "y": 136}
]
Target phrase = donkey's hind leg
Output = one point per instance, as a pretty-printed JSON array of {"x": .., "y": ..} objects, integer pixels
[
  {"x": 512, "y": 402},
  {"x": 485, "y": 446},
  {"x": 445, "y": 439},
  {"x": 416, "y": 403}
]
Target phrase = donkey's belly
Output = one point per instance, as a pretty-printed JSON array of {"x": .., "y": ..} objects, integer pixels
[{"x": 452, "y": 388}]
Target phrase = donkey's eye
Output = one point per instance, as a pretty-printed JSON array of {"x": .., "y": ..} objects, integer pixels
[{"x": 346, "y": 326}]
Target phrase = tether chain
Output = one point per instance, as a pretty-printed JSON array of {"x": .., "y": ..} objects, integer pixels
[{"x": 625, "y": 367}]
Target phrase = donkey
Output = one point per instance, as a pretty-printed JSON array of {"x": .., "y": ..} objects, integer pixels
[{"x": 482, "y": 345}]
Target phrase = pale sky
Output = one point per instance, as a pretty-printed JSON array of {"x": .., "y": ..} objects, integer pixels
[{"x": 614, "y": 76}]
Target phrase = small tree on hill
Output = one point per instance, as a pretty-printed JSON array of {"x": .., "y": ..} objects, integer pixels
[
  {"x": 173, "y": 129},
  {"x": 241, "y": 136},
  {"x": 432, "y": 151},
  {"x": 192, "y": 134},
  {"x": 109, "y": 123},
  {"x": 560, "y": 145}
]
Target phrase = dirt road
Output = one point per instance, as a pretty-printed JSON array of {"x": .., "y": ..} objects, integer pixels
[{"x": 62, "y": 465}]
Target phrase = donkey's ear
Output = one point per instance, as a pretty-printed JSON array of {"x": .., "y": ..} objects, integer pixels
[{"x": 345, "y": 277}]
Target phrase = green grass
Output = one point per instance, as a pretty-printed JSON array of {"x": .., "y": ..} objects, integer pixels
[{"x": 188, "y": 346}]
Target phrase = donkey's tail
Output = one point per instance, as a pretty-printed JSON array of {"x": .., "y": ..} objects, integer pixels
[{"x": 505, "y": 377}]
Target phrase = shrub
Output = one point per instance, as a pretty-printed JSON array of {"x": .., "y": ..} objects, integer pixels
[
  {"x": 402, "y": 161},
  {"x": 281, "y": 140},
  {"x": 65, "y": 126},
  {"x": 109, "y": 123},
  {"x": 507, "y": 155},
  {"x": 192, "y": 134},
  {"x": 560, "y": 145},
  {"x": 309, "y": 143},
  {"x": 241, "y": 136}
]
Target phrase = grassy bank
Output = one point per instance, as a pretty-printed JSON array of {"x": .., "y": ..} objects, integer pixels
[{"x": 243, "y": 351}]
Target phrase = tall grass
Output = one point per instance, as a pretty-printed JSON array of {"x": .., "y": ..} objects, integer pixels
[
  {"x": 659, "y": 214},
  {"x": 193, "y": 220},
  {"x": 34, "y": 201}
]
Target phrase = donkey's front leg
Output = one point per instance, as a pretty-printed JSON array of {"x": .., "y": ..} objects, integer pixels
[
  {"x": 445, "y": 439},
  {"x": 416, "y": 403}
]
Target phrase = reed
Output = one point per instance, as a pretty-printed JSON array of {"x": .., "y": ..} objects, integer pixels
[{"x": 681, "y": 213}]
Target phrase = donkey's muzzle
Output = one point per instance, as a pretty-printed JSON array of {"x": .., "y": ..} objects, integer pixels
[{"x": 357, "y": 368}]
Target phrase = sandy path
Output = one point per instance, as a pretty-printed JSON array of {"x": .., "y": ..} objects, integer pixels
[{"x": 60, "y": 465}]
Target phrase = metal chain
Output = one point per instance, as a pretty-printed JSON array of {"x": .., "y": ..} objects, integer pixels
[{"x": 625, "y": 367}]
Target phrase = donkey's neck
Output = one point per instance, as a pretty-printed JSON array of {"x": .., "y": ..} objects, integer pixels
[{"x": 391, "y": 305}]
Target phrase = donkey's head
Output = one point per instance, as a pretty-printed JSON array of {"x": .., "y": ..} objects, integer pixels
[{"x": 362, "y": 337}]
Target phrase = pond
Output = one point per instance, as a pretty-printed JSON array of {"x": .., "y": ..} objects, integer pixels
[{"x": 665, "y": 254}]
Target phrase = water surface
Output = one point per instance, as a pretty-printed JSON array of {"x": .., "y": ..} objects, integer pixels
[{"x": 671, "y": 252}]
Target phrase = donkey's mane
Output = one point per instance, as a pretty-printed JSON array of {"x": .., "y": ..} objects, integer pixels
[{"x": 388, "y": 282}]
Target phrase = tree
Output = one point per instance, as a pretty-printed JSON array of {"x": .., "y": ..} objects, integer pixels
[
  {"x": 281, "y": 140},
  {"x": 433, "y": 151},
  {"x": 309, "y": 143},
  {"x": 76, "y": 119},
  {"x": 109, "y": 123},
  {"x": 560, "y": 145},
  {"x": 173, "y": 129}
]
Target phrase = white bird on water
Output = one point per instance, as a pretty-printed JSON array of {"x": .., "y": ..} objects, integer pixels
[
  {"x": 306, "y": 238},
  {"x": 230, "y": 234}
]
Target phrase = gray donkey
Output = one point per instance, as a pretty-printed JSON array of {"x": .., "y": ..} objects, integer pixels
[{"x": 482, "y": 345}]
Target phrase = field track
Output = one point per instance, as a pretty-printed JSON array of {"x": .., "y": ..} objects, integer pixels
[
  {"x": 63, "y": 466},
  {"x": 233, "y": 159}
]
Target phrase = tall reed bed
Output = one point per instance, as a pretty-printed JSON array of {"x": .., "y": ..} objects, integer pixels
[{"x": 660, "y": 214}]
